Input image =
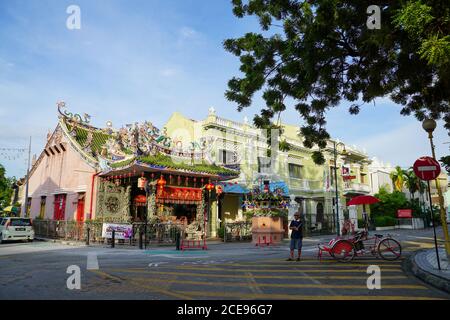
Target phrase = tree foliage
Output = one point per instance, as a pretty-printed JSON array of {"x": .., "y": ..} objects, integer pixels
[
  {"x": 398, "y": 177},
  {"x": 318, "y": 53},
  {"x": 5, "y": 188}
]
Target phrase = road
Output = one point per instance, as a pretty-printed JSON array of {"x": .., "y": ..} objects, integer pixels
[{"x": 38, "y": 270}]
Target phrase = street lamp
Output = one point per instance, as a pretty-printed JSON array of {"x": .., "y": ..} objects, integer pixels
[
  {"x": 429, "y": 125},
  {"x": 344, "y": 152}
]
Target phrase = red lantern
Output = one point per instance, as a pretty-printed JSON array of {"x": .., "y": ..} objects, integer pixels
[
  {"x": 161, "y": 182},
  {"x": 209, "y": 186},
  {"x": 186, "y": 181}
]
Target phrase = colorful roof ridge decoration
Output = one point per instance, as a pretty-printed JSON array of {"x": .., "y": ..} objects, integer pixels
[{"x": 136, "y": 144}]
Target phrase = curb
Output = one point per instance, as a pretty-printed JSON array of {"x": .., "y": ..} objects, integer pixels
[
  {"x": 431, "y": 279},
  {"x": 68, "y": 243}
]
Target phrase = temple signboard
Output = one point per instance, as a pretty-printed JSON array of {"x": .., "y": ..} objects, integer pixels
[{"x": 178, "y": 195}]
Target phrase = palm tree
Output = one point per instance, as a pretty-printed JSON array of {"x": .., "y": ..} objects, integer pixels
[
  {"x": 398, "y": 178},
  {"x": 411, "y": 182}
]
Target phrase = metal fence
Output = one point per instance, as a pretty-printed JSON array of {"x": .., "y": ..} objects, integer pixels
[
  {"x": 238, "y": 231},
  {"x": 326, "y": 226},
  {"x": 151, "y": 233}
]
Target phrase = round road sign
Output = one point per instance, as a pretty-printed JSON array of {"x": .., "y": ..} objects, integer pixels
[{"x": 426, "y": 168}]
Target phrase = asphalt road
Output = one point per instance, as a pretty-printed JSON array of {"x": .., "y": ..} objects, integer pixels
[{"x": 225, "y": 271}]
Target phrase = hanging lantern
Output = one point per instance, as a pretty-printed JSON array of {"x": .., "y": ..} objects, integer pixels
[
  {"x": 179, "y": 180},
  {"x": 209, "y": 186},
  {"x": 186, "y": 181},
  {"x": 142, "y": 181},
  {"x": 219, "y": 190},
  {"x": 195, "y": 182},
  {"x": 161, "y": 182},
  {"x": 170, "y": 179}
]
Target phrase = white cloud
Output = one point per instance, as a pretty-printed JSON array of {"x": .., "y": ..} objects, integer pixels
[
  {"x": 188, "y": 33},
  {"x": 169, "y": 72},
  {"x": 403, "y": 145}
]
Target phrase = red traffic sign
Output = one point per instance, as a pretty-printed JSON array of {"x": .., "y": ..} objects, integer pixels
[{"x": 426, "y": 168}]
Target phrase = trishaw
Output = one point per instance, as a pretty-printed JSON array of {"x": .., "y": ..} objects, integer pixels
[{"x": 359, "y": 244}]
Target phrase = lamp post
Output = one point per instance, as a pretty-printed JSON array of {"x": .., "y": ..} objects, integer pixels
[
  {"x": 429, "y": 125},
  {"x": 335, "y": 146}
]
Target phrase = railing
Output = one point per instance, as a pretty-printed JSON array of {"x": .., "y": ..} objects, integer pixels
[
  {"x": 152, "y": 233},
  {"x": 325, "y": 227},
  {"x": 238, "y": 231},
  {"x": 304, "y": 184},
  {"x": 355, "y": 186}
]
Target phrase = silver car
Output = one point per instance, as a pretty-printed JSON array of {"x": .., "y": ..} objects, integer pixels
[{"x": 14, "y": 228}]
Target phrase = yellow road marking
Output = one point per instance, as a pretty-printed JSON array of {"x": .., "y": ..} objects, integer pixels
[
  {"x": 158, "y": 290},
  {"x": 285, "y": 271},
  {"x": 295, "y": 264},
  {"x": 253, "y": 296},
  {"x": 420, "y": 244},
  {"x": 326, "y": 259},
  {"x": 281, "y": 285},
  {"x": 214, "y": 275}
]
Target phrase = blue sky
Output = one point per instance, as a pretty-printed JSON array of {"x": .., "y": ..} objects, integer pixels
[{"x": 144, "y": 59}]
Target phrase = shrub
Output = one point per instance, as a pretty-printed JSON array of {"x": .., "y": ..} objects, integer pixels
[{"x": 384, "y": 221}]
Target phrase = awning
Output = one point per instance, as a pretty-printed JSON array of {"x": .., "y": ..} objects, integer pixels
[
  {"x": 273, "y": 186},
  {"x": 233, "y": 188}
]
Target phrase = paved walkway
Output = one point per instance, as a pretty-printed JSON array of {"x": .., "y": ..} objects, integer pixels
[{"x": 425, "y": 266}]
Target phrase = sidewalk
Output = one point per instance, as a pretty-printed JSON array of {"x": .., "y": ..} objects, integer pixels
[{"x": 424, "y": 266}]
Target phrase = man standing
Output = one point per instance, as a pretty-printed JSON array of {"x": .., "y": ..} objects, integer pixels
[{"x": 296, "y": 236}]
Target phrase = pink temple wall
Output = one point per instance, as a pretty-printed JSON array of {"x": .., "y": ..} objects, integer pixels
[{"x": 65, "y": 172}]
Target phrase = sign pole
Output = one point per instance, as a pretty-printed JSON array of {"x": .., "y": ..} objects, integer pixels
[{"x": 434, "y": 227}]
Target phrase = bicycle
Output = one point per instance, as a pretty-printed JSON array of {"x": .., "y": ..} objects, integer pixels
[{"x": 385, "y": 247}]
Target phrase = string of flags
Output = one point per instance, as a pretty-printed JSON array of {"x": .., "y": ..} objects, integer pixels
[{"x": 12, "y": 153}]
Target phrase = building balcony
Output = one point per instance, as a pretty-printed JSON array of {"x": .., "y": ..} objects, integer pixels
[
  {"x": 305, "y": 185},
  {"x": 356, "y": 187}
]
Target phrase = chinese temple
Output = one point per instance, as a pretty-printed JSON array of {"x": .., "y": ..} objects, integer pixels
[{"x": 137, "y": 174}]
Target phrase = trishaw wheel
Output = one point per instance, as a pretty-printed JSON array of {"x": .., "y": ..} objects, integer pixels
[
  {"x": 389, "y": 249},
  {"x": 343, "y": 250}
]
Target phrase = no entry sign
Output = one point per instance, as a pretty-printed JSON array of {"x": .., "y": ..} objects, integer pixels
[{"x": 426, "y": 168}]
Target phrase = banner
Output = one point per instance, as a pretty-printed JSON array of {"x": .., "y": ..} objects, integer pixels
[
  {"x": 123, "y": 231},
  {"x": 404, "y": 213}
]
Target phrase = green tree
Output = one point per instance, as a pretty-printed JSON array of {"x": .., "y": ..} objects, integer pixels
[
  {"x": 318, "y": 53},
  {"x": 389, "y": 203},
  {"x": 446, "y": 162},
  {"x": 398, "y": 178},
  {"x": 5, "y": 188},
  {"x": 412, "y": 182}
]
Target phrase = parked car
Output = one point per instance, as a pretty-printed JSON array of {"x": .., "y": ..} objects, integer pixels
[{"x": 14, "y": 228}]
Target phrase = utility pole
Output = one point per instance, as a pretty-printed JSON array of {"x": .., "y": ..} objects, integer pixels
[{"x": 28, "y": 179}]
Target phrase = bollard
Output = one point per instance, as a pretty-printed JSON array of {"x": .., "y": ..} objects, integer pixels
[
  {"x": 145, "y": 235},
  {"x": 88, "y": 231},
  {"x": 140, "y": 240},
  {"x": 177, "y": 240},
  {"x": 113, "y": 239}
]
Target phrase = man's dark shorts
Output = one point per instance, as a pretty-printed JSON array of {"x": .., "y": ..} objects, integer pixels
[{"x": 296, "y": 244}]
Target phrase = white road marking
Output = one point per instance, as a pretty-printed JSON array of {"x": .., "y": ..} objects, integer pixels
[
  {"x": 92, "y": 261},
  {"x": 153, "y": 264}
]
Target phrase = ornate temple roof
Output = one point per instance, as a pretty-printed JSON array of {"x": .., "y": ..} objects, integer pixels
[{"x": 137, "y": 147}]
